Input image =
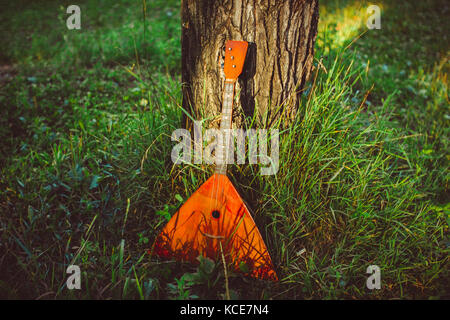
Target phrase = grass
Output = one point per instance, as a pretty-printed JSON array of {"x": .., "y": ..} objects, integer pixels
[{"x": 86, "y": 176}]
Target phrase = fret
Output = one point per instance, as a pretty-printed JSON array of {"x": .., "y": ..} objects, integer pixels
[{"x": 225, "y": 123}]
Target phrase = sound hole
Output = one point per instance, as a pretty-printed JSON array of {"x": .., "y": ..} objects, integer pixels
[{"x": 216, "y": 214}]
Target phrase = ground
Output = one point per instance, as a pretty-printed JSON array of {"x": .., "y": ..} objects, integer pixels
[{"x": 86, "y": 176}]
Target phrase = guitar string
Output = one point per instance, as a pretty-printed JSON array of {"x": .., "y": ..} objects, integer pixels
[
  {"x": 215, "y": 177},
  {"x": 220, "y": 144},
  {"x": 227, "y": 106}
]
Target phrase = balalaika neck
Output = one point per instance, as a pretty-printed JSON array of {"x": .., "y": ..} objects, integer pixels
[{"x": 225, "y": 124}]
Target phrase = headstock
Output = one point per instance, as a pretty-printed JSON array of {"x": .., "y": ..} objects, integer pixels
[{"x": 235, "y": 52}]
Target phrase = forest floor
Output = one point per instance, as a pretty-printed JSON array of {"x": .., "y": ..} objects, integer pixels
[{"x": 86, "y": 176}]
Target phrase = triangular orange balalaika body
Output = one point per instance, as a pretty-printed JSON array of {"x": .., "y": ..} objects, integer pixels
[{"x": 216, "y": 214}]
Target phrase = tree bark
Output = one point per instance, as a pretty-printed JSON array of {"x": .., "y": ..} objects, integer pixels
[{"x": 281, "y": 36}]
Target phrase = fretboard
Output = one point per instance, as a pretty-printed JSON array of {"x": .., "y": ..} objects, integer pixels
[{"x": 225, "y": 124}]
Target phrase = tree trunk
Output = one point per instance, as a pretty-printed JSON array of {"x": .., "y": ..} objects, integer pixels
[{"x": 281, "y": 36}]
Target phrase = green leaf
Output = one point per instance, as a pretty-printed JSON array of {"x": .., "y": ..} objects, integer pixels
[
  {"x": 179, "y": 198},
  {"x": 164, "y": 213},
  {"x": 191, "y": 278},
  {"x": 243, "y": 267},
  {"x": 206, "y": 265},
  {"x": 30, "y": 213},
  {"x": 94, "y": 182}
]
